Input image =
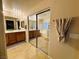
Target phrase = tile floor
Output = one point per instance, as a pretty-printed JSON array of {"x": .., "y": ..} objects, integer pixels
[
  {"x": 25, "y": 51},
  {"x": 42, "y": 43}
]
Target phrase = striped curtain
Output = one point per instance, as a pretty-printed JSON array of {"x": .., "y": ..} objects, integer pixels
[{"x": 62, "y": 27}]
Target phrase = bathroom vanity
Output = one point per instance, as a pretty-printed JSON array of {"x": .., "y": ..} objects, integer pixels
[
  {"x": 14, "y": 31},
  {"x": 15, "y": 36}
]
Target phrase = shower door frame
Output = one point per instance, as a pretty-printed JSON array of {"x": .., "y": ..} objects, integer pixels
[{"x": 37, "y": 27}]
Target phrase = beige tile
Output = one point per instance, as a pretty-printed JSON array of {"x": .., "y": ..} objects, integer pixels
[
  {"x": 42, "y": 43},
  {"x": 25, "y": 51}
]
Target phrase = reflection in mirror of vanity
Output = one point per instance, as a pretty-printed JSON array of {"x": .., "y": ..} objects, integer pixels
[
  {"x": 32, "y": 22},
  {"x": 18, "y": 24},
  {"x": 22, "y": 24},
  {"x": 12, "y": 23}
]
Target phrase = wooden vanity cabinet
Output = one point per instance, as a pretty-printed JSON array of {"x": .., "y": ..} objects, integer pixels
[
  {"x": 20, "y": 36},
  {"x": 16, "y": 37},
  {"x": 34, "y": 34}
]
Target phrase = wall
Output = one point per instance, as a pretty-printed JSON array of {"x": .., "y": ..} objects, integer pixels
[
  {"x": 74, "y": 35},
  {"x": 7, "y": 7},
  {"x": 59, "y": 9},
  {"x": 3, "y": 54},
  {"x": 10, "y": 8},
  {"x": 60, "y": 50}
]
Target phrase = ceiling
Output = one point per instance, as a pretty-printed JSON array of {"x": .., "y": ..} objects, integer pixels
[
  {"x": 23, "y": 4},
  {"x": 26, "y": 3}
]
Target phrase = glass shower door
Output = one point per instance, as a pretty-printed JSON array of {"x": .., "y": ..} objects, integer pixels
[
  {"x": 43, "y": 26},
  {"x": 32, "y": 30}
]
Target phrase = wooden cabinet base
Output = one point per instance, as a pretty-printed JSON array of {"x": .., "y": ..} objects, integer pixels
[
  {"x": 12, "y": 38},
  {"x": 34, "y": 34}
]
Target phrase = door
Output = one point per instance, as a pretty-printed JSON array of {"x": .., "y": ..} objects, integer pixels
[
  {"x": 39, "y": 30},
  {"x": 43, "y": 20},
  {"x": 32, "y": 29}
]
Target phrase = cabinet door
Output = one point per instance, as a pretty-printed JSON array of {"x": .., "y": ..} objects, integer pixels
[
  {"x": 21, "y": 36},
  {"x": 11, "y": 38}
]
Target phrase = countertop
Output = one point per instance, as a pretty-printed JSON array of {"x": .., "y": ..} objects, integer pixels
[{"x": 12, "y": 31}]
